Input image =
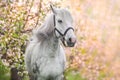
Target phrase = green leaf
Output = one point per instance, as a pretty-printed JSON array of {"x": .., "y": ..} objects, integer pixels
[{"x": 73, "y": 75}]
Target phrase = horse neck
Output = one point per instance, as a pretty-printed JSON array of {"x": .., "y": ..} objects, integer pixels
[
  {"x": 55, "y": 43},
  {"x": 51, "y": 46},
  {"x": 51, "y": 39}
]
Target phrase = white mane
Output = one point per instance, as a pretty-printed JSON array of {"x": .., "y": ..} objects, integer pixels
[{"x": 46, "y": 30}]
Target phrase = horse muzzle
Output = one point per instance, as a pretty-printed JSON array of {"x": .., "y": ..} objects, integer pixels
[{"x": 71, "y": 42}]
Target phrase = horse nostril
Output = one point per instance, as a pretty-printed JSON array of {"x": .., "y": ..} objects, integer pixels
[
  {"x": 70, "y": 39},
  {"x": 71, "y": 42}
]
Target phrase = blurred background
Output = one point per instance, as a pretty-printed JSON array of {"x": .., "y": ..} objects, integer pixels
[{"x": 96, "y": 55}]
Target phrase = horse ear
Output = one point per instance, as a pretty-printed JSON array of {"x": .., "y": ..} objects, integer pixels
[{"x": 53, "y": 9}]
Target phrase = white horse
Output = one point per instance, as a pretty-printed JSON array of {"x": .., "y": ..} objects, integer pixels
[{"x": 45, "y": 58}]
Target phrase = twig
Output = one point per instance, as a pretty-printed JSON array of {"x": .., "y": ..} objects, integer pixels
[
  {"x": 28, "y": 15},
  {"x": 28, "y": 30},
  {"x": 40, "y": 6}
]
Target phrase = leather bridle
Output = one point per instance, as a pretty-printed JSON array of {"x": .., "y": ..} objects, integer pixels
[{"x": 61, "y": 34}]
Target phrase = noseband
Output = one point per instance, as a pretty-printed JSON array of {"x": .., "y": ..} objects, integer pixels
[{"x": 62, "y": 34}]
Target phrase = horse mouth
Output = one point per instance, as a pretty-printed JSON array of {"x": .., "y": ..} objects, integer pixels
[{"x": 70, "y": 44}]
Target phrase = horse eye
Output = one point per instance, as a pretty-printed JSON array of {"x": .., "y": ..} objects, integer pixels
[{"x": 60, "y": 21}]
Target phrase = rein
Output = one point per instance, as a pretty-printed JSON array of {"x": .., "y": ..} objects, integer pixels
[{"x": 62, "y": 34}]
